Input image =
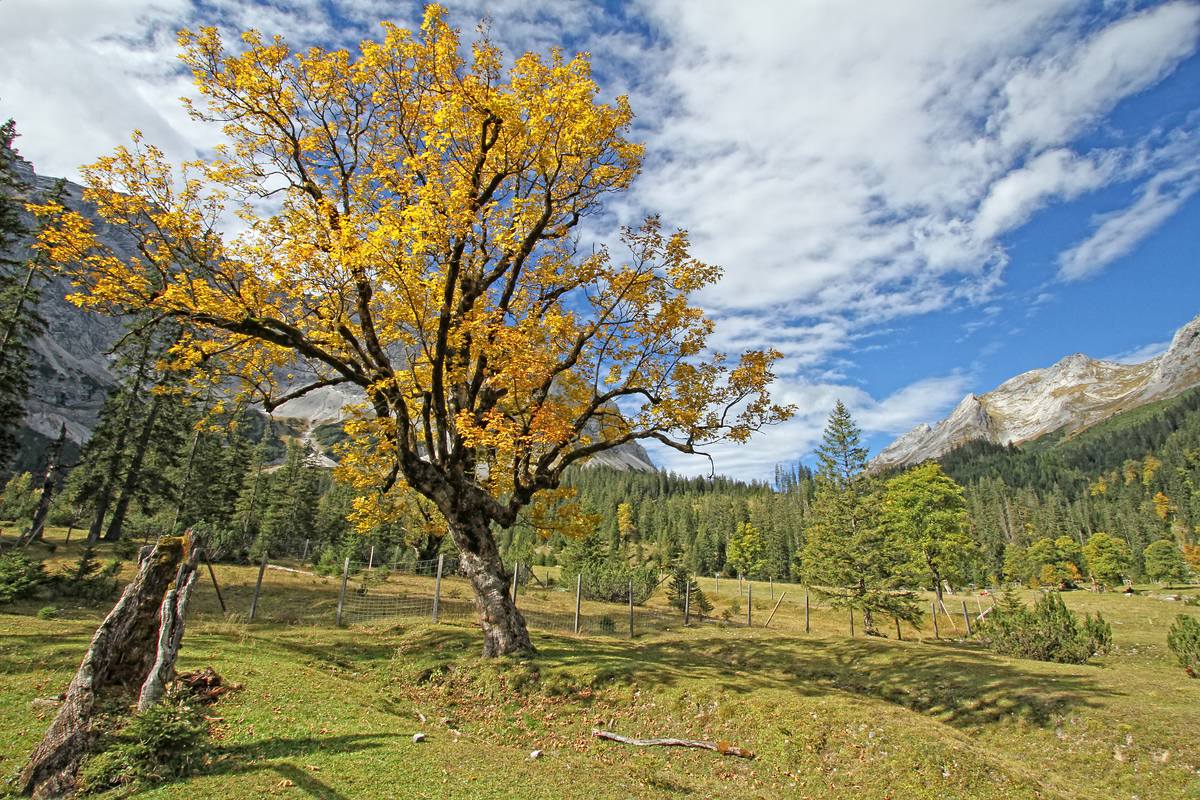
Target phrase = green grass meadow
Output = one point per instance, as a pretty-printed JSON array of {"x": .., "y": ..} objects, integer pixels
[{"x": 330, "y": 713}]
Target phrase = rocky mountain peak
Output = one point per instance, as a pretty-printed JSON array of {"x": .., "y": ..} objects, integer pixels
[{"x": 1073, "y": 393}]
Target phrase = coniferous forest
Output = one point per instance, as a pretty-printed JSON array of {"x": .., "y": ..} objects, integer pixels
[{"x": 162, "y": 459}]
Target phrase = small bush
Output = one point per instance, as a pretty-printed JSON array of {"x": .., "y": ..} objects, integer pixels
[
  {"x": 1184, "y": 641},
  {"x": 125, "y": 548},
  {"x": 329, "y": 563},
  {"x": 19, "y": 576},
  {"x": 47, "y": 612},
  {"x": 685, "y": 590},
  {"x": 1046, "y": 632},
  {"x": 167, "y": 741},
  {"x": 609, "y": 582},
  {"x": 87, "y": 580}
]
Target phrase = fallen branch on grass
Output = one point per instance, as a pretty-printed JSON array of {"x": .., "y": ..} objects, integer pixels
[{"x": 722, "y": 747}]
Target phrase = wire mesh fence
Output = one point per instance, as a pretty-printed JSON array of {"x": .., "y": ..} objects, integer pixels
[{"x": 370, "y": 587}]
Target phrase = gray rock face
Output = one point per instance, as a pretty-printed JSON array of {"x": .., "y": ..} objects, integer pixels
[
  {"x": 70, "y": 362},
  {"x": 1073, "y": 394},
  {"x": 328, "y": 405}
]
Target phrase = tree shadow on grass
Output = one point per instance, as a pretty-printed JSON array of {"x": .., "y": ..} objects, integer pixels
[
  {"x": 262, "y": 755},
  {"x": 962, "y": 687},
  {"x": 21, "y": 653}
]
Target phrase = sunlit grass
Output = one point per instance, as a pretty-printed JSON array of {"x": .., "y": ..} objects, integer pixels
[{"x": 330, "y": 712}]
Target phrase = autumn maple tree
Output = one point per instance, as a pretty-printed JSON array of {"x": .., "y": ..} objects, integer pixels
[{"x": 408, "y": 224}]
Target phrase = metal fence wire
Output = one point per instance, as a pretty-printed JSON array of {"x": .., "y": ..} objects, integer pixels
[{"x": 365, "y": 589}]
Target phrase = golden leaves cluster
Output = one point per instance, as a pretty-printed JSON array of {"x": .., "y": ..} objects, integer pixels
[{"x": 406, "y": 224}]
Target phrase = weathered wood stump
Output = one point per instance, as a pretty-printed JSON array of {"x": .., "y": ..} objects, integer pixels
[{"x": 129, "y": 651}]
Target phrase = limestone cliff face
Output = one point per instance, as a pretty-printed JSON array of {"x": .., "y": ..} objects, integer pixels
[
  {"x": 70, "y": 360},
  {"x": 1074, "y": 393}
]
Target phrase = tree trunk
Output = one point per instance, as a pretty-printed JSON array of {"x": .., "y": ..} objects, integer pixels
[
  {"x": 133, "y": 474},
  {"x": 170, "y": 633},
  {"x": 113, "y": 670},
  {"x": 38, "y": 526},
  {"x": 504, "y": 630}
]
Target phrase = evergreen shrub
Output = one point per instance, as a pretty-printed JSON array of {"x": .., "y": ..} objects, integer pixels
[
  {"x": 1047, "y": 632},
  {"x": 1184, "y": 641}
]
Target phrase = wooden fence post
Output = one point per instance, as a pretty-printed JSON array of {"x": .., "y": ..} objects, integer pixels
[
  {"x": 933, "y": 608},
  {"x": 772, "y": 580},
  {"x": 687, "y": 602},
  {"x": 851, "y": 622},
  {"x": 304, "y": 558},
  {"x": 631, "y": 608},
  {"x": 749, "y": 605},
  {"x": 342, "y": 593},
  {"x": 966, "y": 617},
  {"x": 516, "y": 571},
  {"x": 578, "y": 599},
  {"x": 767, "y": 624},
  {"x": 899, "y": 636},
  {"x": 258, "y": 586},
  {"x": 437, "y": 587},
  {"x": 806, "y": 628},
  {"x": 213, "y": 575},
  {"x": 371, "y": 559}
]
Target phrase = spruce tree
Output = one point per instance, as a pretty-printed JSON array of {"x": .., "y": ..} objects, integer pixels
[
  {"x": 850, "y": 556},
  {"x": 19, "y": 320},
  {"x": 292, "y": 503}
]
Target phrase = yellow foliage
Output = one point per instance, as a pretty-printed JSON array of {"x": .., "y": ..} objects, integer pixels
[{"x": 408, "y": 227}]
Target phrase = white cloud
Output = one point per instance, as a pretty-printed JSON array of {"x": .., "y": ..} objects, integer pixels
[
  {"x": 921, "y": 401},
  {"x": 1051, "y": 100},
  {"x": 1054, "y": 174},
  {"x": 1118, "y": 233},
  {"x": 847, "y": 164},
  {"x": 853, "y": 163},
  {"x": 1138, "y": 355}
]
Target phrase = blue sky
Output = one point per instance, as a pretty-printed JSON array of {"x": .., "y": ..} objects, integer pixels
[{"x": 912, "y": 200}]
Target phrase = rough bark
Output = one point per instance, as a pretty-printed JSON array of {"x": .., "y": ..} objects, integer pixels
[
  {"x": 170, "y": 633},
  {"x": 49, "y": 482},
  {"x": 504, "y": 630},
  {"x": 121, "y": 653},
  {"x": 132, "y": 475}
]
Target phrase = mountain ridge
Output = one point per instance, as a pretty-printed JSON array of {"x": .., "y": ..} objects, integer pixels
[{"x": 1072, "y": 394}]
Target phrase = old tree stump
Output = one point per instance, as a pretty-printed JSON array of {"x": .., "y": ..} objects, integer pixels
[{"x": 130, "y": 659}]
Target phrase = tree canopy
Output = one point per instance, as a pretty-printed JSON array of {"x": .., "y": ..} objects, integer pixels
[{"x": 408, "y": 229}]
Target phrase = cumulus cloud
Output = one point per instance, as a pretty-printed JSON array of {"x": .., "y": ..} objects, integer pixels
[{"x": 848, "y": 164}]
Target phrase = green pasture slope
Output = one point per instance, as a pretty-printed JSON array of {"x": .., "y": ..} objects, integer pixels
[{"x": 330, "y": 713}]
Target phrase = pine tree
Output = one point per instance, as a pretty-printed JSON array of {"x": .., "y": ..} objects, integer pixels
[
  {"x": 247, "y": 515},
  {"x": 19, "y": 320},
  {"x": 849, "y": 553},
  {"x": 683, "y": 590},
  {"x": 292, "y": 503}
]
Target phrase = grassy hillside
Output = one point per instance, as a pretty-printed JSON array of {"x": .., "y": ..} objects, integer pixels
[{"x": 330, "y": 713}]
